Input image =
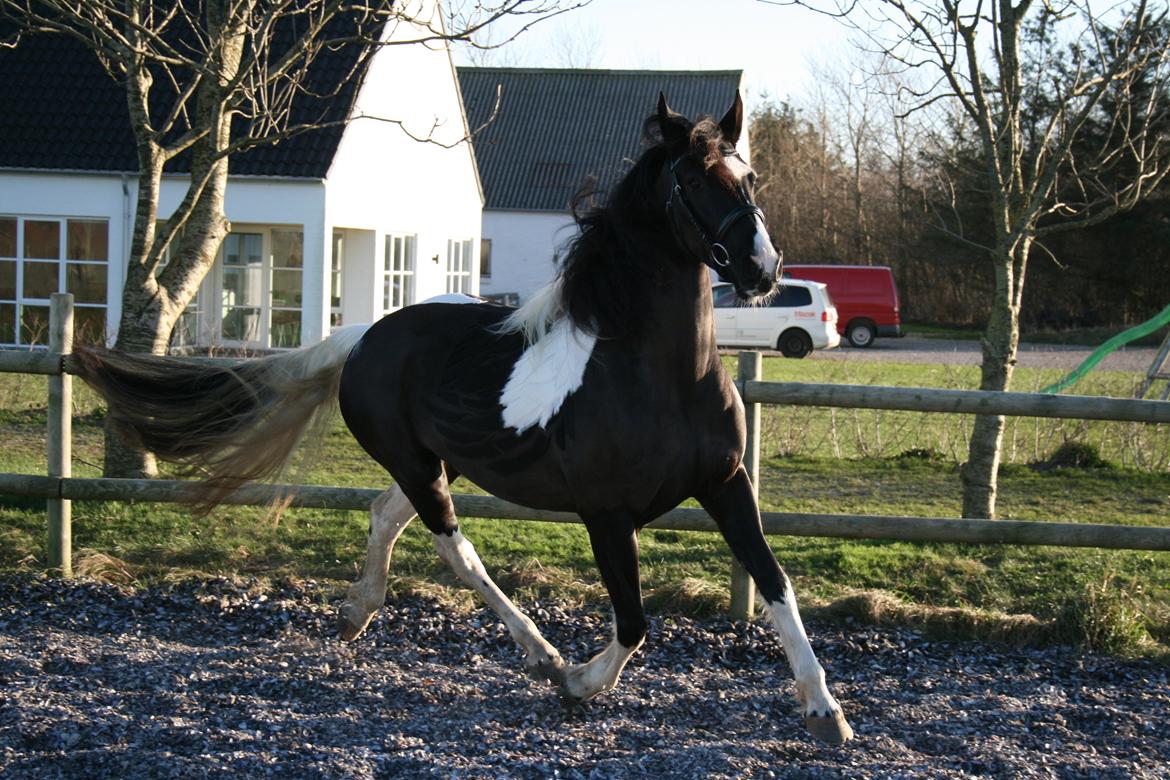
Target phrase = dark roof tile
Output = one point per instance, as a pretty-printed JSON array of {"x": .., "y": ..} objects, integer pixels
[
  {"x": 61, "y": 111},
  {"x": 557, "y": 127}
]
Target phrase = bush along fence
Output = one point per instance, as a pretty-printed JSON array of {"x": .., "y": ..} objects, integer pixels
[{"x": 60, "y": 488}]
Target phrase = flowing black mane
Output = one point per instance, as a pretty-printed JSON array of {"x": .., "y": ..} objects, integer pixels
[{"x": 620, "y": 251}]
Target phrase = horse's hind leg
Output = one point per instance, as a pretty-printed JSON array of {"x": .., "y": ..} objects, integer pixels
[
  {"x": 434, "y": 506},
  {"x": 733, "y": 507},
  {"x": 390, "y": 513}
]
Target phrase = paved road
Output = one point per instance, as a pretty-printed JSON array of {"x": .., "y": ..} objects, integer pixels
[{"x": 957, "y": 352}]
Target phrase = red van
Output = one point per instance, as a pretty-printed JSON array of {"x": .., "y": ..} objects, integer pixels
[{"x": 865, "y": 295}]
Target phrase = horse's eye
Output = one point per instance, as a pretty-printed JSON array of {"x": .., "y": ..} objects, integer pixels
[
  {"x": 694, "y": 182},
  {"x": 751, "y": 178}
]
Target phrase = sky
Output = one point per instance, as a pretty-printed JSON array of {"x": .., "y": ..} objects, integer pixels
[{"x": 772, "y": 44}]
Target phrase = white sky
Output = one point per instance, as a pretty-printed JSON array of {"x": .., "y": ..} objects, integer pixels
[{"x": 771, "y": 44}]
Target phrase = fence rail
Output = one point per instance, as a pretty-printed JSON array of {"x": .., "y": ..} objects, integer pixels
[
  {"x": 59, "y": 488},
  {"x": 910, "y": 529}
]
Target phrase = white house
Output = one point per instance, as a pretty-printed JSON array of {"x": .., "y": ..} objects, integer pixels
[
  {"x": 551, "y": 131},
  {"x": 333, "y": 227}
]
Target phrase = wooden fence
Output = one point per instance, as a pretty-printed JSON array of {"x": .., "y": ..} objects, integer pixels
[{"x": 59, "y": 487}]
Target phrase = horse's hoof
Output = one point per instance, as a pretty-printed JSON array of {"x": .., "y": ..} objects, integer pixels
[
  {"x": 349, "y": 627},
  {"x": 551, "y": 669},
  {"x": 831, "y": 728}
]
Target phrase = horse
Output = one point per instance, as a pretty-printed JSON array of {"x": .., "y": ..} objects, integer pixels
[{"x": 603, "y": 395}]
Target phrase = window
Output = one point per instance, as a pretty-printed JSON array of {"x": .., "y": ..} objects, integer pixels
[
  {"x": 485, "y": 258},
  {"x": 335, "y": 277},
  {"x": 398, "y": 273},
  {"x": 288, "y": 263},
  {"x": 459, "y": 266},
  {"x": 242, "y": 289},
  {"x": 260, "y": 286},
  {"x": 40, "y": 256},
  {"x": 792, "y": 297},
  {"x": 185, "y": 333},
  {"x": 725, "y": 297}
]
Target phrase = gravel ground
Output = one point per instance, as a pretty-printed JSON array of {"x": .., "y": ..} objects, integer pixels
[
  {"x": 217, "y": 679},
  {"x": 957, "y": 352}
]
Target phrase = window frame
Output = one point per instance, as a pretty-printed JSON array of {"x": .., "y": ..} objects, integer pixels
[{"x": 63, "y": 264}]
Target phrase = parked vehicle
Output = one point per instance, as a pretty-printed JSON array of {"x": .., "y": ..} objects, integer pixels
[
  {"x": 799, "y": 319},
  {"x": 865, "y": 296}
]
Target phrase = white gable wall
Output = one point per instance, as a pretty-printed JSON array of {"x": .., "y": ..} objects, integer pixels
[
  {"x": 523, "y": 246},
  {"x": 382, "y": 181}
]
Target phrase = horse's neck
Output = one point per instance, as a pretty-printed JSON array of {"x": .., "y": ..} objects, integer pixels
[{"x": 680, "y": 333}]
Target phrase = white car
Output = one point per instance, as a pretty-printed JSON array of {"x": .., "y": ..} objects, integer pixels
[{"x": 800, "y": 318}]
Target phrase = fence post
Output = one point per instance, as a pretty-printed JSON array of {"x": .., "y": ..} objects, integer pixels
[
  {"x": 743, "y": 589},
  {"x": 60, "y": 434}
]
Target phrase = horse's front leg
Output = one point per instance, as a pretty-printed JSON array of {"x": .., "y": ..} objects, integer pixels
[
  {"x": 733, "y": 506},
  {"x": 615, "y": 548}
]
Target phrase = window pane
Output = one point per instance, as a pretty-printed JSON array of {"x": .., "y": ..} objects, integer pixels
[
  {"x": 287, "y": 249},
  {"x": 42, "y": 239},
  {"x": 286, "y": 329},
  {"x": 8, "y": 280},
  {"x": 485, "y": 257},
  {"x": 286, "y": 288},
  {"x": 7, "y": 323},
  {"x": 241, "y": 286},
  {"x": 186, "y": 329},
  {"x": 89, "y": 324},
  {"x": 7, "y": 236},
  {"x": 87, "y": 282},
  {"x": 335, "y": 275},
  {"x": 86, "y": 239},
  {"x": 40, "y": 280},
  {"x": 241, "y": 324},
  {"x": 34, "y": 324},
  {"x": 243, "y": 249}
]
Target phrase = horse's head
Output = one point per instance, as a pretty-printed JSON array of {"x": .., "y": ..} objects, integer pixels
[{"x": 709, "y": 200}]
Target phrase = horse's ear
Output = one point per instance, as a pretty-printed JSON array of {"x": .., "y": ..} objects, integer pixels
[
  {"x": 732, "y": 122},
  {"x": 673, "y": 125}
]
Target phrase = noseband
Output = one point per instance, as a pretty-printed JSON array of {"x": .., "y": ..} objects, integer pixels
[{"x": 717, "y": 256}]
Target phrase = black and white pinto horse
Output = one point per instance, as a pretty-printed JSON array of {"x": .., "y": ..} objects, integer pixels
[{"x": 603, "y": 396}]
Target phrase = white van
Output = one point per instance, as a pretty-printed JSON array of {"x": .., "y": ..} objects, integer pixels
[{"x": 800, "y": 318}]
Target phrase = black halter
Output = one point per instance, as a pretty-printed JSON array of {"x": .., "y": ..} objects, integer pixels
[{"x": 717, "y": 256}]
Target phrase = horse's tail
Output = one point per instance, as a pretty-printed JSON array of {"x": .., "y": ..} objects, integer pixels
[{"x": 232, "y": 423}]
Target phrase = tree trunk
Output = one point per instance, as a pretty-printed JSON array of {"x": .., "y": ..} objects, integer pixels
[
  {"x": 152, "y": 301},
  {"x": 980, "y": 474}
]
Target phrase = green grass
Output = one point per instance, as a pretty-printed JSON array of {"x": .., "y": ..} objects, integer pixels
[{"x": 815, "y": 460}]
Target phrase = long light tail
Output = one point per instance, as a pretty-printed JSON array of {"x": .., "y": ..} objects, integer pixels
[{"x": 233, "y": 424}]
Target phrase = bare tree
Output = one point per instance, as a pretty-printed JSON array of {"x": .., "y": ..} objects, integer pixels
[
  {"x": 1114, "y": 80},
  {"x": 207, "y": 79}
]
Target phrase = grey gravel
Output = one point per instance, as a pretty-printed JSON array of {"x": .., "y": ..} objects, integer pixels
[{"x": 222, "y": 679}]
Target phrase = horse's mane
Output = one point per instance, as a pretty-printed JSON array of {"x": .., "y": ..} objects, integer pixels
[{"x": 619, "y": 251}]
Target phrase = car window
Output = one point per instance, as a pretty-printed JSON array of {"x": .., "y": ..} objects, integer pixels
[
  {"x": 791, "y": 296},
  {"x": 725, "y": 297}
]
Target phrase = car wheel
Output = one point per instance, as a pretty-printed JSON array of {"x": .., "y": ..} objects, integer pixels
[
  {"x": 860, "y": 334},
  {"x": 794, "y": 343}
]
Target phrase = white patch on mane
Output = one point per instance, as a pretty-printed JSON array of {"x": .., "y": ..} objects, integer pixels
[
  {"x": 538, "y": 315},
  {"x": 545, "y": 375}
]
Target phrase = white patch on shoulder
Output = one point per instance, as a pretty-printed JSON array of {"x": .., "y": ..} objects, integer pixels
[
  {"x": 453, "y": 298},
  {"x": 545, "y": 375}
]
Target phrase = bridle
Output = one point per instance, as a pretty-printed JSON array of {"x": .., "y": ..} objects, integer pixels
[{"x": 717, "y": 256}]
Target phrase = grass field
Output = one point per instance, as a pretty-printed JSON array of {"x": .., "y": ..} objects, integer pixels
[{"x": 819, "y": 460}]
